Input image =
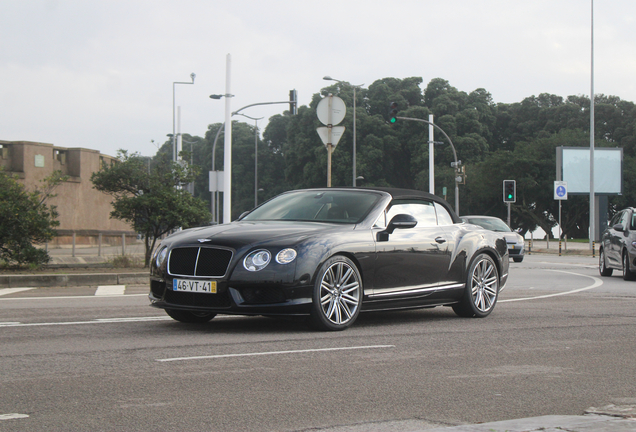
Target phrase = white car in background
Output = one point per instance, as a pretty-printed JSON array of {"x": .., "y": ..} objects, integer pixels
[{"x": 516, "y": 243}]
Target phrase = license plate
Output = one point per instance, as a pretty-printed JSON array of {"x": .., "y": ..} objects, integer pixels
[{"x": 191, "y": 285}]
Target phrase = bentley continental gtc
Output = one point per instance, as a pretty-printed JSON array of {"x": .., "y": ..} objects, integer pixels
[{"x": 329, "y": 254}]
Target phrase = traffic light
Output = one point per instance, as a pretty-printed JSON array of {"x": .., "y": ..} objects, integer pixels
[
  {"x": 393, "y": 110},
  {"x": 293, "y": 102},
  {"x": 509, "y": 191}
]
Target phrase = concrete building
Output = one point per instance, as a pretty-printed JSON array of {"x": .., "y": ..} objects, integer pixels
[{"x": 83, "y": 210}]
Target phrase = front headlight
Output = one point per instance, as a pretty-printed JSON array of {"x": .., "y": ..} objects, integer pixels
[
  {"x": 286, "y": 256},
  {"x": 257, "y": 260},
  {"x": 161, "y": 256}
]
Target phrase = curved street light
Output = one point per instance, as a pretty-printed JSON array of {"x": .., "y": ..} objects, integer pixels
[
  {"x": 214, "y": 96},
  {"x": 174, "y": 134},
  {"x": 255, "y": 155},
  {"x": 454, "y": 155}
]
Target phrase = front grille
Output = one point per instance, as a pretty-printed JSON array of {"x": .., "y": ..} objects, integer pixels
[
  {"x": 199, "y": 261},
  {"x": 219, "y": 300}
]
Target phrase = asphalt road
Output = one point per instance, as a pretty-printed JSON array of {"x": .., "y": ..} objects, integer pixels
[{"x": 560, "y": 340}]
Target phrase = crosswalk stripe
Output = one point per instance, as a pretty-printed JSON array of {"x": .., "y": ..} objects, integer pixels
[
  {"x": 110, "y": 290},
  {"x": 6, "y": 291}
]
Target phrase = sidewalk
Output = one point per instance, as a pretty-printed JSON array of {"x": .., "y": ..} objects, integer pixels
[
  {"x": 569, "y": 248},
  {"x": 86, "y": 268}
]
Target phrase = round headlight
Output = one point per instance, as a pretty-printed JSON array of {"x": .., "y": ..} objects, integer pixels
[
  {"x": 161, "y": 256},
  {"x": 286, "y": 256},
  {"x": 257, "y": 260}
]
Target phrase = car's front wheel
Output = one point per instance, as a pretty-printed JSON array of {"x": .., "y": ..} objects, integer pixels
[
  {"x": 337, "y": 295},
  {"x": 602, "y": 266},
  {"x": 628, "y": 275},
  {"x": 190, "y": 317},
  {"x": 482, "y": 289}
]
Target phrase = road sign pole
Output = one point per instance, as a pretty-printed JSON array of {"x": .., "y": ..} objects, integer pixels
[
  {"x": 560, "y": 228},
  {"x": 330, "y": 140}
]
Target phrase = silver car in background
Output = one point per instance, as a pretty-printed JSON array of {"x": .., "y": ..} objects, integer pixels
[{"x": 516, "y": 243}]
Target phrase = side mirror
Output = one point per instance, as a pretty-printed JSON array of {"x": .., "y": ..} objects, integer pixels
[
  {"x": 618, "y": 227},
  {"x": 399, "y": 221}
]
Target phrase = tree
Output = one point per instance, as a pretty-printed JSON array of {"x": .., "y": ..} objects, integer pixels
[
  {"x": 154, "y": 200},
  {"x": 26, "y": 219}
]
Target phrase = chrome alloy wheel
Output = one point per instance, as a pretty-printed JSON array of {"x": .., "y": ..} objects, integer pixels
[
  {"x": 484, "y": 285},
  {"x": 340, "y": 293}
]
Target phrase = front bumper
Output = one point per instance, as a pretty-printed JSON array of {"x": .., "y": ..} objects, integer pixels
[{"x": 235, "y": 298}]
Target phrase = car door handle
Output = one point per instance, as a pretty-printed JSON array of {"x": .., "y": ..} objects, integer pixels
[{"x": 440, "y": 240}]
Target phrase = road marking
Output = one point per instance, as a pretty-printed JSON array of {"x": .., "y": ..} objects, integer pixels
[
  {"x": 12, "y": 416},
  {"x": 597, "y": 283},
  {"x": 274, "y": 353},
  {"x": 71, "y": 297},
  {"x": 110, "y": 290},
  {"x": 97, "y": 321},
  {"x": 6, "y": 291}
]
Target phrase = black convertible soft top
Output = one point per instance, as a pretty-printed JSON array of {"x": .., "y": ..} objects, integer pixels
[{"x": 398, "y": 193}]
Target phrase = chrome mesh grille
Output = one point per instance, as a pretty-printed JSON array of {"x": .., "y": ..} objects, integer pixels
[{"x": 199, "y": 261}]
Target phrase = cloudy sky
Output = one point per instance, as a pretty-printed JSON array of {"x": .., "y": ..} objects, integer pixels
[{"x": 99, "y": 74}]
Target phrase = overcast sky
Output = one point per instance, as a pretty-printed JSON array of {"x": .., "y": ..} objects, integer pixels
[{"x": 98, "y": 74}]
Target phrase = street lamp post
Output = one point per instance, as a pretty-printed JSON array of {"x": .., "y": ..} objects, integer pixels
[
  {"x": 255, "y": 156},
  {"x": 328, "y": 78},
  {"x": 174, "y": 134}
]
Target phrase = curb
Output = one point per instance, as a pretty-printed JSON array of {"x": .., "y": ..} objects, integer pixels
[{"x": 66, "y": 280}]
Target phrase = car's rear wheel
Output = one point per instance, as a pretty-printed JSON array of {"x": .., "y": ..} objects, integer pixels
[
  {"x": 482, "y": 289},
  {"x": 628, "y": 275},
  {"x": 337, "y": 295},
  {"x": 602, "y": 266},
  {"x": 190, "y": 317}
]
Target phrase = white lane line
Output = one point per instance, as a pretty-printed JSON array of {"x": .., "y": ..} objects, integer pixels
[
  {"x": 274, "y": 353},
  {"x": 71, "y": 297},
  {"x": 6, "y": 291},
  {"x": 597, "y": 283},
  {"x": 12, "y": 416},
  {"x": 97, "y": 321},
  {"x": 110, "y": 290}
]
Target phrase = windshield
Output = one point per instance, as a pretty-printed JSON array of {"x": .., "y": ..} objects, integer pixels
[
  {"x": 320, "y": 206},
  {"x": 493, "y": 224}
]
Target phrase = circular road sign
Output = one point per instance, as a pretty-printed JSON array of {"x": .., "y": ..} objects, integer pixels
[{"x": 338, "y": 110}]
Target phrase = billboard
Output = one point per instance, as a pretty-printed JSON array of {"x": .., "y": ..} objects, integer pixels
[{"x": 573, "y": 166}]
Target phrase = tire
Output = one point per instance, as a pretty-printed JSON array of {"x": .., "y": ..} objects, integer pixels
[
  {"x": 337, "y": 295},
  {"x": 517, "y": 259},
  {"x": 482, "y": 289},
  {"x": 190, "y": 317},
  {"x": 602, "y": 266},
  {"x": 628, "y": 275}
]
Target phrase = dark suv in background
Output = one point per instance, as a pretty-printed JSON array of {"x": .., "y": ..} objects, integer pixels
[{"x": 618, "y": 245}]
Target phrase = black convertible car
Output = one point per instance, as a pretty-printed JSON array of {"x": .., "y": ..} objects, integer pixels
[{"x": 328, "y": 254}]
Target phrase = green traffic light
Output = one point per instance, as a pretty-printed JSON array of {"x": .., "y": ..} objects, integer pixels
[{"x": 392, "y": 120}]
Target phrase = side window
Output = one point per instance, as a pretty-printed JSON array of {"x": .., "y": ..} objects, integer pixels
[
  {"x": 625, "y": 220},
  {"x": 633, "y": 225},
  {"x": 423, "y": 211},
  {"x": 616, "y": 219},
  {"x": 443, "y": 217}
]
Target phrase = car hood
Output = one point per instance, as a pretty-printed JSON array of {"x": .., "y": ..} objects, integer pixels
[
  {"x": 238, "y": 234},
  {"x": 512, "y": 237}
]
